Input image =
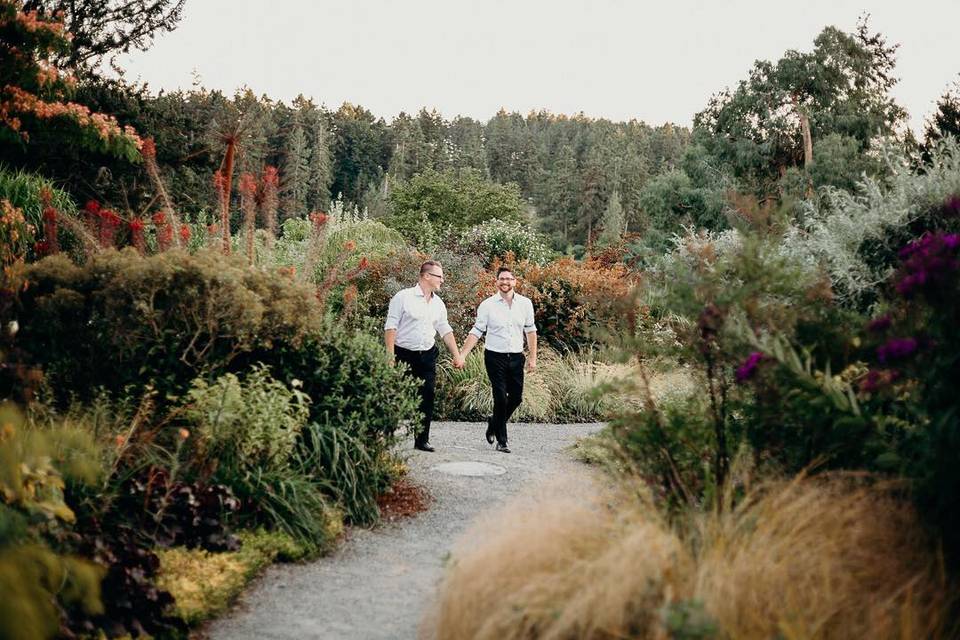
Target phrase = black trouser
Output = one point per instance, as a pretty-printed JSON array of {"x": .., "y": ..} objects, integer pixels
[
  {"x": 423, "y": 366},
  {"x": 505, "y": 371}
]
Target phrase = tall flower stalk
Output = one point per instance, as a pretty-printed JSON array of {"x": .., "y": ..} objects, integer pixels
[
  {"x": 269, "y": 200},
  {"x": 149, "y": 153},
  {"x": 248, "y": 202}
]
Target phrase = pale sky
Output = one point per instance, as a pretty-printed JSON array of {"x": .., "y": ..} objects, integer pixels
[{"x": 653, "y": 61}]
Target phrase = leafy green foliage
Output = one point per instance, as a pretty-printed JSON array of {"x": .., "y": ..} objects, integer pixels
[
  {"x": 254, "y": 422},
  {"x": 39, "y": 582},
  {"x": 123, "y": 320},
  {"x": 431, "y": 203},
  {"x": 841, "y": 87},
  {"x": 23, "y": 190}
]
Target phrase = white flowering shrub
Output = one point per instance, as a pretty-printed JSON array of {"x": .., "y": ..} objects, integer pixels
[{"x": 495, "y": 238}]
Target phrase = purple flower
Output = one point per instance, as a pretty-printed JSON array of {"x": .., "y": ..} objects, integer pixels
[
  {"x": 896, "y": 349},
  {"x": 927, "y": 263},
  {"x": 880, "y": 324},
  {"x": 749, "y": 367}
]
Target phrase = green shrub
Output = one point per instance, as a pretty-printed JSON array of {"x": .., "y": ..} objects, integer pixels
[
  {"x": 672, "y": 446},
  {"x": 123, "y": 321},
  {"x": 348, "y": 379},
  {"x": 431, "y": 203},
  {"x": 856, "y": 234},
  {"x": 251, "y": 428},
  {"x": 495, "y": 239},
  {"x": 257, "y": 421}
]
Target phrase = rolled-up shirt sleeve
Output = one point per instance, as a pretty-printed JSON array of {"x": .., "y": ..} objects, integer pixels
[
  {"x": 529, "y": 324},
  {"x": 394, "y": 311},
  {"x": 483, "y": 316},
  {"x": 442, "y": 325}
]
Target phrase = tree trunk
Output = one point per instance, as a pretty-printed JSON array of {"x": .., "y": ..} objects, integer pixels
[
  {"x": 805, "y": 132},
  {"x": 227, "y": 187}
]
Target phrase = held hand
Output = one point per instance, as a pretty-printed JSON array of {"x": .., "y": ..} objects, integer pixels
[{"x": 458, "y": 362}]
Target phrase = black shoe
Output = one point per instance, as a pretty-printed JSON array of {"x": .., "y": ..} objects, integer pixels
[
  {"x": 490, "y": 433},
  {"x": 502, "y": 448},
  {"x": 424, "y": 447}
]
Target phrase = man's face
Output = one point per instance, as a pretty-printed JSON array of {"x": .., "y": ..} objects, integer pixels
[
  {"x": 434, "y": 278},
  {"x": 505, "y": 282}
]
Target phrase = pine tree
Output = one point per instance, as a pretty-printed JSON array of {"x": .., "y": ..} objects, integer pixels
[
  {"x": 295, "y": 172},
  {"x": 613, "y": 221},
  {"x": 320, "y": 170}
]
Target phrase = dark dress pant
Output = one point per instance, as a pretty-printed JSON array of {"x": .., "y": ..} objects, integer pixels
[
  {"x": 423, "y": 367},
  {"x": 505, "y": 371}
]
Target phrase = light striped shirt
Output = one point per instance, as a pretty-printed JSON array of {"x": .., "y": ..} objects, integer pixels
[
  {"x": 504, "y": 324},
  {"x": 416, "y": 319}
]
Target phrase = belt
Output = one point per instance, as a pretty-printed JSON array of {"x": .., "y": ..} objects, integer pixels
[{"x": 399, "y": 348}]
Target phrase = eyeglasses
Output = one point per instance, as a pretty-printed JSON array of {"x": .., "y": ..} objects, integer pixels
[{"x": 435, "y": 275}]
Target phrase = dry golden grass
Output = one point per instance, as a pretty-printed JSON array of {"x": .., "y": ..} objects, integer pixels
[
  {"x": 821, "y": 559},
  {"x": 807, "y": 559},
  {"x": 555, "y": 567}
]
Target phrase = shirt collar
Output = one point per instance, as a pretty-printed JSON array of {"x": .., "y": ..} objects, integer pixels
[{"x": 419, "y": 292}]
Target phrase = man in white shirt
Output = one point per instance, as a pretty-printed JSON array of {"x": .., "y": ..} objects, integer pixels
[
  {"x": 505, "y": 317},
  {"x": 415, "y": 316}
]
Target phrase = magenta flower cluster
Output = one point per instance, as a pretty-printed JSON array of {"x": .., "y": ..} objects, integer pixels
[
  {"x": 928, "y": 262},
  {"x": 749, "y": 367},
  {"x": 897, "y": 349}
]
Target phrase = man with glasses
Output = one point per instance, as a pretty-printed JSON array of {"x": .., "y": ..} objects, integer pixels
[
  {"x": 414, "y": 316},
  {"x": 505, "y": 317}
]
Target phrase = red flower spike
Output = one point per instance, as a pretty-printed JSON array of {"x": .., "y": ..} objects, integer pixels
[
  {"x": 271, "y": 178},
  {"x": 148, "y": 148},
  {"x": 248, "y": 185}
]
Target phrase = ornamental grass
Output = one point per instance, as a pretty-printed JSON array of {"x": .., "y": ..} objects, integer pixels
[{"x": 836, "y": 557}]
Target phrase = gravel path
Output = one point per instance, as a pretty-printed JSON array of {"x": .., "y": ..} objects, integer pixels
[{"x": 378, "y": 583}]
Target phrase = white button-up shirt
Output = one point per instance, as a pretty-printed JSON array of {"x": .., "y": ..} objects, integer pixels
[
  {"x": 504, "y": 324},
  {"x": 416, "y": 319}
]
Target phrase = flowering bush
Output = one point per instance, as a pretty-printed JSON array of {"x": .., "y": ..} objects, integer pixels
[
  {"x": 576, "y": 303},
  {"x": 495, "y": 239},
  {"x": 33, "y": 89}
]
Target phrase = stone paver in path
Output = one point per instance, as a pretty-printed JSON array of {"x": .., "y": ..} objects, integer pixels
[
  {"x": 469, "y": 468},
  {"x": 379, "y": 583}
]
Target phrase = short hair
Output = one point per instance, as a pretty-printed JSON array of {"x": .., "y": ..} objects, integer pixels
[
  {"x": 502, "y": 269},
  {"x": 429, "y": 263}
]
